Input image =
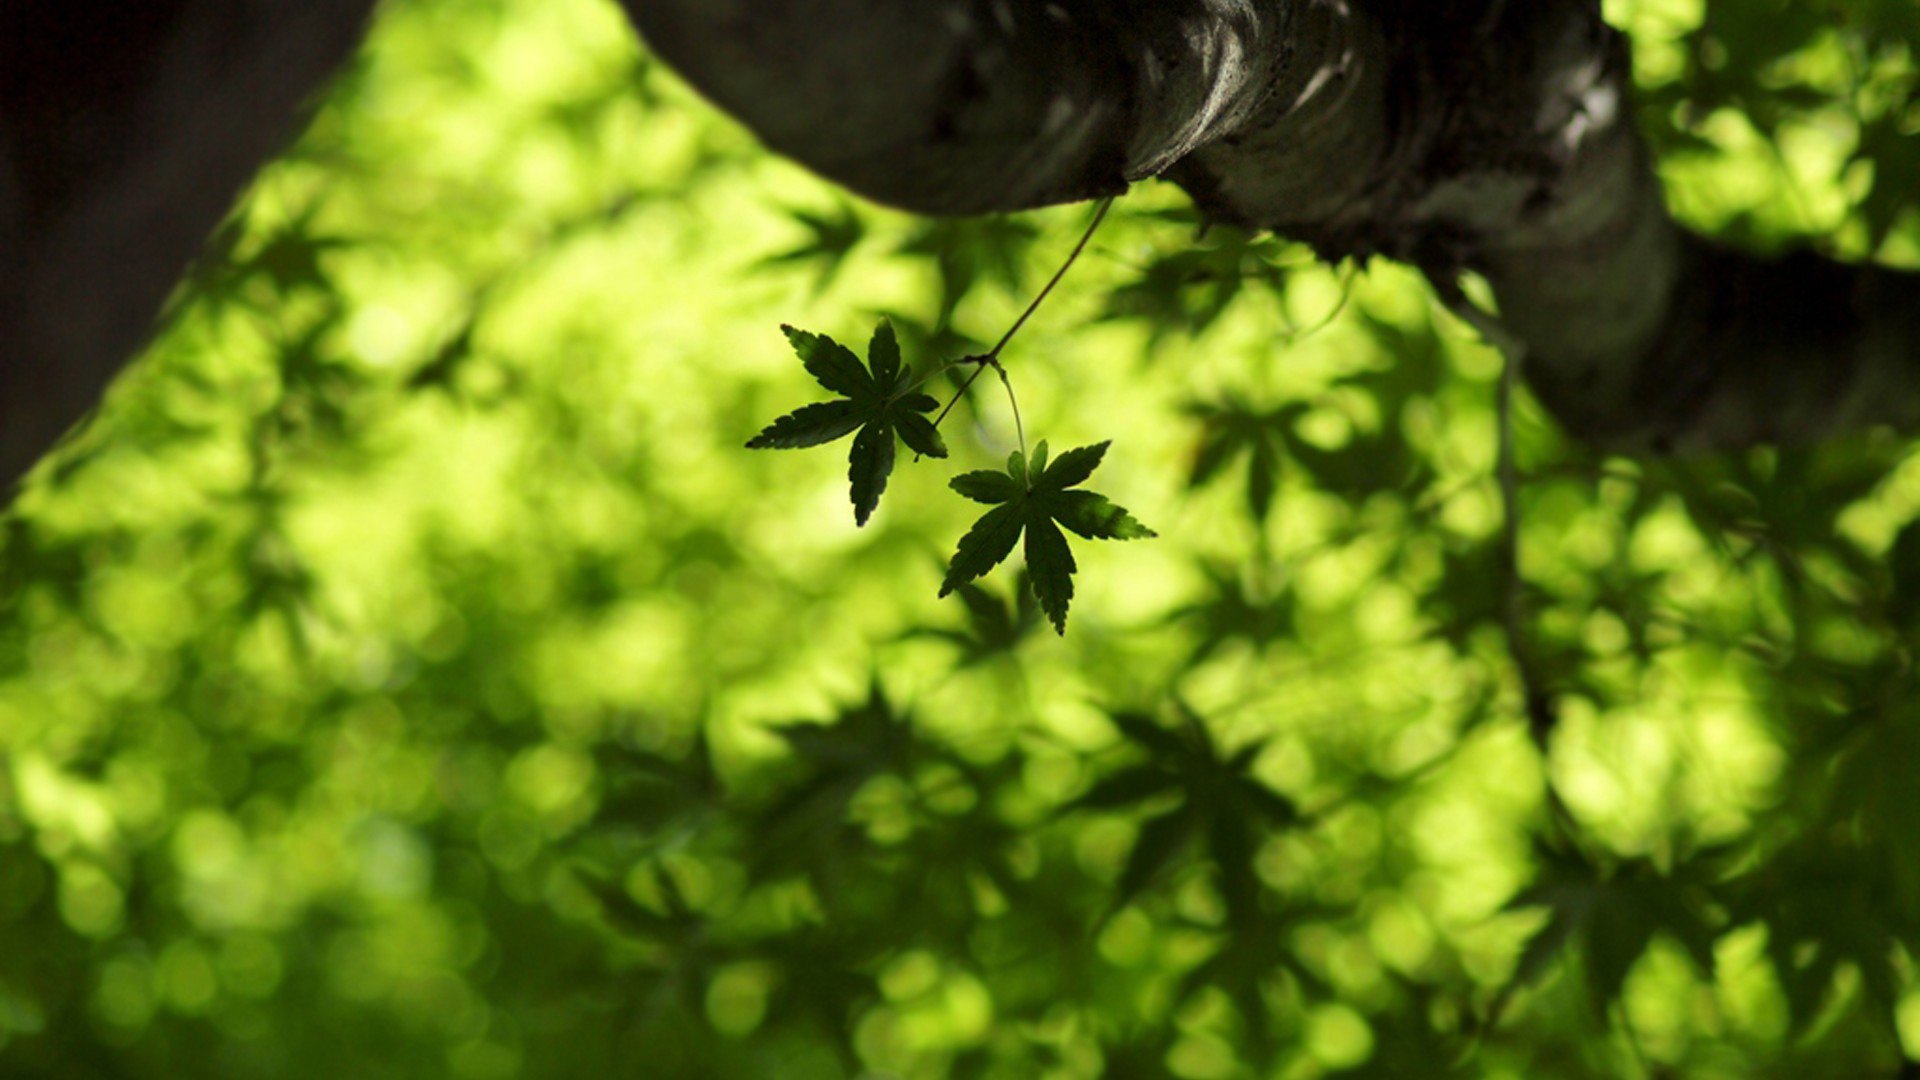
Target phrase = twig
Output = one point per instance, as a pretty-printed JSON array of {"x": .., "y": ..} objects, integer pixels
[
  {"x": 1086, "y": 238},
  {"x": 981, "y": 363},
  {"x": 993, "y": 355},
  {"x": 1295, "y": 336},
  {"x": 1541, "y": 715}
]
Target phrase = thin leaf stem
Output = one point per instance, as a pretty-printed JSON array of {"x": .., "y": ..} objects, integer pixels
[
  {"x": 1086, "y": 238},
  {"x": 936, "y": 371},
  {"x": 1542, "y": 717},
  {"x": 992, "y": 357},
  {"x": 1019, "y": 428},
  {"x": 1347, "y": 274},
  {"x": 982, "y": 363}
]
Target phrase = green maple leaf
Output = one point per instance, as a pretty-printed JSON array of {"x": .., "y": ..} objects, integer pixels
[
  {"x": 1236, "y": 428},
  {"x": 1030, "y": 498},
  {"x": 878, "y": 403},
  {"x": 1610, "y": 916}
]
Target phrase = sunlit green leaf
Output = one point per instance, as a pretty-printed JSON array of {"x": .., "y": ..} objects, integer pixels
[
  {"x": 880, "y": 403},
  {"x": 1031, "y": 498}
]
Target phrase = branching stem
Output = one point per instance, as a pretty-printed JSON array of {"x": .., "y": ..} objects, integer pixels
[
  {"x": 992, "y": 357},
  {"x": 981, "y": 363},
  {"x": 1099, "y": 215},
  {"x": 1541, "y": 716}
]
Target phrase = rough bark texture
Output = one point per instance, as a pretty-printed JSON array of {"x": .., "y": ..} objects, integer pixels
[
  {"x": 126, "y": 132},
  {"x": 1480, "y": 135},
  {"x": 1486, "y": 135}
]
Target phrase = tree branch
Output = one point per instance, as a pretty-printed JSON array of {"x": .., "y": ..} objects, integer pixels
[
  {"x": 1456, "y": 134},
  {"x": 1789, "y": 350},
  {"x": 970, "y": 106},
  {"x": 1536, "y": 696},
  {"x": 126, "y": 133},
  {"x": 1451, "y": 134}
]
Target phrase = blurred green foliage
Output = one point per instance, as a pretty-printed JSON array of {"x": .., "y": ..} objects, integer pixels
[{"x": 409, "y": 674}]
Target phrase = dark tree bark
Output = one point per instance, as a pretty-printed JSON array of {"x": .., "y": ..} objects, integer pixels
[
  {"x": 127, "y": 130},
  {"x": 1486, "y": 135}
]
